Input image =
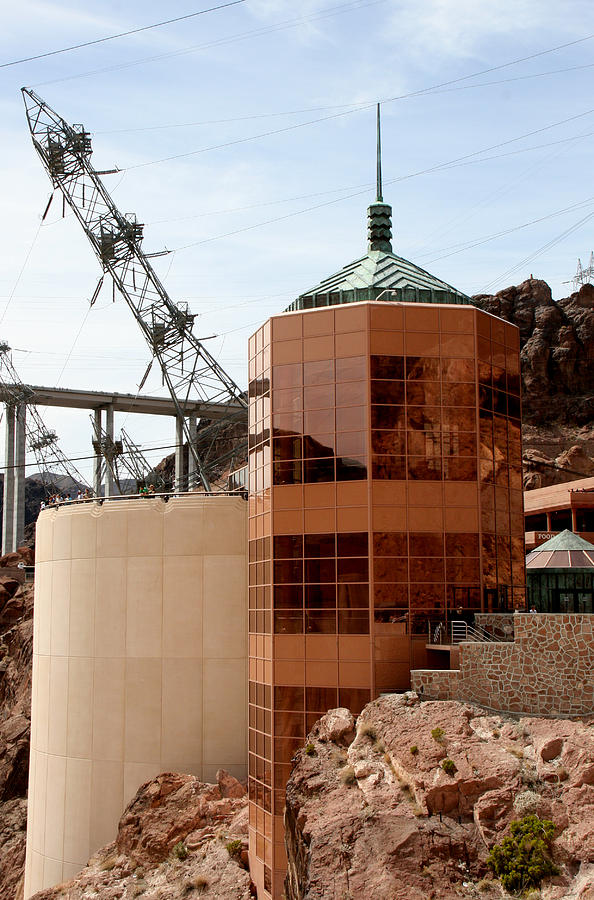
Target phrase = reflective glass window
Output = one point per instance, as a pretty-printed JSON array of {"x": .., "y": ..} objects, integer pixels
[
  {"x": 319, "y": 446},
  {"x": 460, "y": 469},
  {"x": 353, "y": 596},
  {"x": 513, "y": 406},
  {"x": 320, "y": 622},
  {"x": 288, "y": 596},
  {"x": 352, "y": 368},
  {"x": 423, "y": 393},
  {"x": 289, "y": 724},
  {"x": 319, "y": 699},
  {"x": 286, "y": 376},
  {"x": 424, "y": 469},
  {"x": 287, "y": 472},
  {"x": 320, "y": 596},
  {"x": 387, "y": 392},
  {"x": 463, "y": 544},
  {"x": 388, "y": 417},
  {"x": 390, "y": 367},
  {"x": 386, "y": 568},
  {"x": 351, "y": 393},
  {"x": 459, "y": 394},
  {"x": 389, "y": 468},
  {"x": 319, "y": 396},
  {"x": 352, "y": 544},
  {"x": 286, "y": 448},
  {"x": 288, "y": 622},
  {"x": 318, "y": 422},
  {"x": 462, "y": 569},
  {"x": 428, "y": 544},
  {"x": 318, "y": 372},
  {"x": 460, "y": 418},
  {"x": 422, "y": 368},
  {"x": 351, "y": 443},
  {"x": 287, "y": 423},
  {"x": 458, "y": 370},
  {"x": 390, "y": 595},
  {"x": 351, "y": 468},
  {"x": 320, "y": 570},
  {"x": 353, "y": 622},
  {"x": 353, "y": 570},
  {"x": 319, "y": 545},
  {"x": 426, "y": 442},
  {"x": 500, "y": 402},
  {"x": 351, "y": 418},
  {"x": 288, "y": 571},
  {"x": 389, "y": 442},
  {"x": 421, "y": 417},
  {"x": 287, "y": 400},
  {"x": 389, "y": 543},
  {"x": 318, "y": 470},
  {"x": 353, "y": 698}
]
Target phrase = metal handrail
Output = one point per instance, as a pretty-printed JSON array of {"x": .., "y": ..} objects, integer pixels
[
  {"x": 167, "y": 495},
  {"x": 462, "y": 631}
]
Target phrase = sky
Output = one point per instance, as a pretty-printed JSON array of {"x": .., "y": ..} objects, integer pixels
[{"x": 246, "y": 143}]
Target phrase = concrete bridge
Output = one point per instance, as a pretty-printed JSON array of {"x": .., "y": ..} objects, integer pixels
[{"x": 103, "y": 405}]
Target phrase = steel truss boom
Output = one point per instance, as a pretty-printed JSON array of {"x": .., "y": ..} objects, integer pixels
[
  {"x": 125, "y": 459},
  {"x": 188, "y": 369}
]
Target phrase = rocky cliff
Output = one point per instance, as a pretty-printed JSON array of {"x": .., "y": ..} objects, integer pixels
[
  {"x": 16, "y": 639},
  {"x": 177, "y": 838},
  {"x": 557, "y": 341},
  {"x": 374, "y": 810}
]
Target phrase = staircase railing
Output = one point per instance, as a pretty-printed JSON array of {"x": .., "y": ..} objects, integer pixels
[{"x": 462, "y": 631}]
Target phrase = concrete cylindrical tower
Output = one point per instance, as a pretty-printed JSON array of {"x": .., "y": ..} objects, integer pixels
[{"x": 139, "y": 663}]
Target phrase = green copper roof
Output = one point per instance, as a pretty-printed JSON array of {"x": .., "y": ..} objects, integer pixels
[
  {"x": 565, "y": 540},
  {"x": 380, "y": 274}
]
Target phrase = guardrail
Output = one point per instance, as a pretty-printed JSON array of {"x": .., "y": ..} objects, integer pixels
[
  {"x": 165, "y": 495},
  {"x": 462, "y": 631}
]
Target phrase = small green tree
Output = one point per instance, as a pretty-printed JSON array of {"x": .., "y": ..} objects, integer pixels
[{"x": 523, "y": 858}]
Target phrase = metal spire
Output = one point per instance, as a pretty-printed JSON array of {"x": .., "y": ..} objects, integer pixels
[
  {"x": 379, "y": 198},
  {"x": 379, "y": 214}
]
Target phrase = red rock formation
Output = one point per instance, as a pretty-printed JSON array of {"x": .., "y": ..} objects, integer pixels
[
  {"x": 557, "y": 340},
  {"x": 177, "y": 838},
  {"x": 16, "y": 639},
  {"x": 372, "y": 813}
]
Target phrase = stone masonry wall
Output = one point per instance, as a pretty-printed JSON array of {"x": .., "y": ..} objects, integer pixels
[
  {"x": 547, "y": 670},
  {"x": 500, "y": 625}
]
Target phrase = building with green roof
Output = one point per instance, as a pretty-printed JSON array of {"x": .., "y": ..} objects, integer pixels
[{"x": 560, "y": 575}]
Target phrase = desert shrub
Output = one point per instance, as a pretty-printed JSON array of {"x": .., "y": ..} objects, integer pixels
[
  {"x": 527, "y": 803},
  {"x": 414, "y": 750},
  {"x": 310, "y": 750},
  {"x": 347, "y": 776},
  {"x": 449, "y": 766},
  {"x": 369, "y": 731},
  {"x": 523, "y": 858},
  {"x": 438, "y": 734},
  {"x": 198, "y": 885},
  {"x": 234, "y": 847},
  {"x": 180, "y": 850}
]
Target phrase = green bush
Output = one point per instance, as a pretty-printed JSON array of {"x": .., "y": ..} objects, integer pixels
[
  {"x": 414, "y": 750},
  {"x": 449, "y": 766},
  {"x": 310, "y": 750},
  {"x": 523, "y": 859},
  {"x": 438, "y": 734},
  {"x": 234, "y": 847},
  {"x": 180, "y": 850}
]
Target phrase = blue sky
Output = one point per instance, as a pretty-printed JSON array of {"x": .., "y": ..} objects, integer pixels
[{"x": 270, "y": 217}]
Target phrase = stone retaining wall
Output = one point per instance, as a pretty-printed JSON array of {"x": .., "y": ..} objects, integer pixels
[
  {"x": 547, "y": 670},
  {"x": 500, "y": 625}
]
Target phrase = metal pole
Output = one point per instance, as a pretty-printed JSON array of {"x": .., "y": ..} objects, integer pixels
[
  {"x": 109, "y": 483},
  {"x": 18, "y": 532},
  {"x": 192, "y": 480},
  {"x": 179, "y": 454},
  {"x": 98, "y": 464},
  {"x": 8, "y": 506}
]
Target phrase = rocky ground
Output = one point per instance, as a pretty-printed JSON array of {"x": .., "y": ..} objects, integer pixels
[
  {"x": 16, "y": 638},
  {"x": 372, "y": 814},
  {"x": 178, "y": 838}
]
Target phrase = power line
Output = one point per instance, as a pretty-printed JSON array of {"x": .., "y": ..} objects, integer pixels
[
  {"x": 256, "y": 32},
  {"x": 353, "y": 107},
  {"x": 121, "y": 34}
]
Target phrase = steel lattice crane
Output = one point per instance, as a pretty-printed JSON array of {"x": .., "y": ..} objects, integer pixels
[
  {"x": 42, "y": 442},
  {"x": 189, "y": 371},
  {"x": 125, "y": 460}
]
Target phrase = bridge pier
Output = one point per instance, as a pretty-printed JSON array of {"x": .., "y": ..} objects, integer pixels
[{"x": 13, "y": 510}]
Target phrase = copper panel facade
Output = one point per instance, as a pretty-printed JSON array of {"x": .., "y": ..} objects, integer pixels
[{"x": 385, "y": 499}]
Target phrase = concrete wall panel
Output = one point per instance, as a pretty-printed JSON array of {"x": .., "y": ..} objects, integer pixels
[{"x": 139, "y": 663}]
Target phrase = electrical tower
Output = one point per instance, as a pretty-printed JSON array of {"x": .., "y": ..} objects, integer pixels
[
  {"x": 42, "y": 442},
  {"x": 584, "y": 274},
  {"x": 188, "y": 369},
  {"x": 126, "y": 460}
]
